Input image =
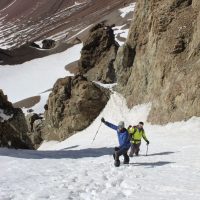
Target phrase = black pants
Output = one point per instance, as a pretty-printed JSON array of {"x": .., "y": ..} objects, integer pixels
[
  {"x": 119, "y": 152},
  {"x": 135, "y": 148}
]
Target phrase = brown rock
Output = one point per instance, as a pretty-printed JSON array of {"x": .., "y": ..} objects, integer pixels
[
  {"x": 31, "y": 118},
  {"x": 164, "y": 64},
  {"x": 98, "y": 54},
  {"x": 73, "y": 104},
  {"x": 13, "y": 127},
  {"x": 48, "y": 44}
]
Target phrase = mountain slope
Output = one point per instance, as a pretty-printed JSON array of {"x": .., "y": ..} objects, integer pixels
[
  {"x": 23, "y": 21},
  {"x": 79, "y": 169}
]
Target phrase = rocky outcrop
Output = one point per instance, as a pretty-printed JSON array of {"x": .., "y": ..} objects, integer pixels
[
  {"x": 160, "y": 61},
  {"x": 13, "y": 127},
  {"x": 73, "y": 104},
  {"x": 30, "y": 119},
  {"x": 48, "y": 44},
  {"x": 35, "y": 125},
  {"x": 36, "y": 134},
  {"x": 98, "y": 54}
]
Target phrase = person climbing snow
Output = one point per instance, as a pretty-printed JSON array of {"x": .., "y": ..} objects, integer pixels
[
  {"x": 136, "y": 134},
  {"x": 124, "y": 142}
]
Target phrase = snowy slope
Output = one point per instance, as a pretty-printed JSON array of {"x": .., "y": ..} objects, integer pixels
[
  {"x": 80, "y": 170},
  {"x": 126, "y": 10},
  {"x": 36, "y": 76}
]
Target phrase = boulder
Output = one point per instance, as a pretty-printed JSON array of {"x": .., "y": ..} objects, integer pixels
[
  {"x": 13, "y": 127},
  {"x": 98, "y": 54},
  {"x": 48, "y": 44},
  {"x": 35, "y": 124},
  {"x": 30, "y": 119},
  {"x": 72, "y": 106},
  {"x": 36, "y": 134}
]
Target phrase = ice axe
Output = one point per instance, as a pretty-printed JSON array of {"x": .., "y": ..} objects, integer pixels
[{"x": 96, "y": 132}]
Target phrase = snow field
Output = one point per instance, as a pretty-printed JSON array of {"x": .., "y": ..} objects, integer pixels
[
  {"x": 36, "y": 76},
  {"x": 126, "y": 10},
  {"x": 81, "y": 170}
]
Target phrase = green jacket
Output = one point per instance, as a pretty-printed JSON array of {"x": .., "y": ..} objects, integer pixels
[{"x": 136, "y": 135}]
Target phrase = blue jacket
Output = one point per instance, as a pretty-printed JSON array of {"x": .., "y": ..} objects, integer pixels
[{"x": 123, "y": 137}]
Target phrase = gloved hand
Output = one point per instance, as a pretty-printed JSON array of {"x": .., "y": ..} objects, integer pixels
[
  {"x": 116, "y": 148},
  {"x": 147, "y": 142},
  {"x": 103, "y": 120}
]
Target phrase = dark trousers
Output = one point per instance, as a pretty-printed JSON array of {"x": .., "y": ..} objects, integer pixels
[
  {"x": 119, "y": 152},
  {"x": 135, "y": 148}
]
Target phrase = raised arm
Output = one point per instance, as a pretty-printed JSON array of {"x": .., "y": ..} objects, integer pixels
[{"x": 109, "y": 124}]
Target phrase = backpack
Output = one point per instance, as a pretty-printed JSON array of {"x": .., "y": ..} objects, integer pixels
[{"x": 132, "y": 134}]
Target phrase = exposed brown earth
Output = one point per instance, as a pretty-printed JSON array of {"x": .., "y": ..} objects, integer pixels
[
  {"x": 27, "y": 103},
  {"x": 73, "y": 68},
  {"x": 26, "y": 53},
  {"x": 24, "y": 22}
]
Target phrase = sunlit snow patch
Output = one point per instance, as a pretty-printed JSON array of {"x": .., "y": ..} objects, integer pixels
[
  {"x": 124, "y": 11},
  {"x": 33, "y": 77},
  {"x": 120, "y": 32},
  {"x": 108, "y": 86},
  {"x": 39, "y": 107}
]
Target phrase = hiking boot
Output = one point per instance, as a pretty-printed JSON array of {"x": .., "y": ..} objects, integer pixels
[
  {"x": 117, "y": 163},
  {"x": 126, "y": 162}
]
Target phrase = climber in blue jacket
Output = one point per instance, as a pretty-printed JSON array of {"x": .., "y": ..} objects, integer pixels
[{"x": 124, "y": 142}]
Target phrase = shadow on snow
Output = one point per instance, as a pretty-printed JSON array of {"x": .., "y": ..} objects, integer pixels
[
  {"x": 152, "y": 164},
  {"x": 59, "y": 154},
  {"x": 160, "y": 154}
]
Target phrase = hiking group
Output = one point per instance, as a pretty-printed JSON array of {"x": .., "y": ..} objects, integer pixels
[{"x": 128, "y": 138}]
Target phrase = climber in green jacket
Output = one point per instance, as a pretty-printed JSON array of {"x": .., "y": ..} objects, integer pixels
[{"x": 136, "y": 134}]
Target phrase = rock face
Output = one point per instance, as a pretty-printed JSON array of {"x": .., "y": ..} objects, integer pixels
[
  {"x": 13, "y": 127},
  {"x": 73, "y": 104},
  {"x": 35, "y": 124},
  {"x": 98, "y": 54},
  {"x": 160, "y": 62}
]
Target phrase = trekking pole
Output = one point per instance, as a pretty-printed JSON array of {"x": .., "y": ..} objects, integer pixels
[
  {"x": 147, "y": 149},
  {"x": 96, "y": 132}
]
